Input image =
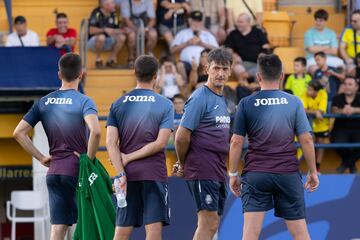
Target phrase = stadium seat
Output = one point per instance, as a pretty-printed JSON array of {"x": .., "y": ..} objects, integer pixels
[
  {"x": 27, "y": 200},
  {"x": 287, "y": 56},
  {"x": 278, "y": 26}
]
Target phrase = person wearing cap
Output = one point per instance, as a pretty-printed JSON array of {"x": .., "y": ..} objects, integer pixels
[
  {"x": 22, "y": 37},
  {"x": 190, "y": 42}
]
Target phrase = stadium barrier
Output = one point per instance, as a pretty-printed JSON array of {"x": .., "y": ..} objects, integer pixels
[{"x": 171, "y": 147}]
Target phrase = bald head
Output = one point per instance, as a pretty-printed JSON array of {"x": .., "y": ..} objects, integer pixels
[
  {"x": 108, "y": 5},
  {"x": 243, "y": 22}
]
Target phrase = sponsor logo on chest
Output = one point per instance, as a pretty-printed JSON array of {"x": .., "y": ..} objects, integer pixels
[
  {"x": 139, "y": 99},
  {"x": 270, "y": 101},
  {"x": 59, "y": 101},
  {"x": 222, "y": 121}
]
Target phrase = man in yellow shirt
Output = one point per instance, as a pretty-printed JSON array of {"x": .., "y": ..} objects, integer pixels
[
  {"x": 348, "y": 46},
  {"x": 315, "y": 102}
]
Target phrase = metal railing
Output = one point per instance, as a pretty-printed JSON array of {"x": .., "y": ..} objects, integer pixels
[{"x": 171, "y": 147}]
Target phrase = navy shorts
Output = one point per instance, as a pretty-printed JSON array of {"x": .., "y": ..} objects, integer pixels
[
  {"x": 62, "y": 199},
  {"x": 261, "y": 192},
  {"x": 147, "y": 203},
  {"x": 208, "y": 195}
]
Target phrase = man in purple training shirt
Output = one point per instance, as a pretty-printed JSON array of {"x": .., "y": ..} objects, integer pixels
[
  {"x": 138, "y": 128},
  {"x": 271, "y": 179},
  {"x": 202, "y": 144},
  {"x": 64, "y": 114}
]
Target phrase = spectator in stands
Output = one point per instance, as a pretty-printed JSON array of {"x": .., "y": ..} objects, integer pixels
[
  {"x": 348, "y": 46},
  {"x": 321, "y": 39},
  {"x": 297, "y": 82},
  {"x": 329, "y": 77},
  {"x": 170, "y": 81},
  {"x": 214, "y": 16},
  {"x": 191, "y": 42},
  {"x": 62, "y": 37},
  {"x": 347, "y": 130},
  {"x": 105, "y": 35},
  {"x": 252, "y": 7},
  {"x": 356, "y": 71},
  {"x": 243, "y": 89},
  {"x": 168, "y": 14},
  {"x": 22, "y": 37},
  {"x": 178, "y": 102},
  {"x": 246, "y": 42},
  {"x": 134, "y": 11},
  {"x": 198, "y": 74},
  {"x": 315, "y": 101}
]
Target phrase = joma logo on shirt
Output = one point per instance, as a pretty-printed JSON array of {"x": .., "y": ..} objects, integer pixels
[
  {"x": 92, "y": 178},
  {"x": 270, "y": 101},
  {"x": 139, "y": 99},
  {"x": 58, "y": 101}
]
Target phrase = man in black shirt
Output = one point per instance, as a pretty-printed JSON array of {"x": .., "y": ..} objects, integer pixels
[
  {"x": 105, "y": 34},
  {"x": 347, "y": 130},
  {"x": 246, "y": 42}
]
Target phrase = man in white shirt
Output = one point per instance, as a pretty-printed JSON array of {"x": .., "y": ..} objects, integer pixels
[
  {"x": 191, "y": 42},
  {"x": 22, "y": 37}
]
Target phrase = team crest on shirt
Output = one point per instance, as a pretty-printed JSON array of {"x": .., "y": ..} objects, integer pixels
[
  {"x": 93, "y": 176},
  {"x": 208, "y": 199}
]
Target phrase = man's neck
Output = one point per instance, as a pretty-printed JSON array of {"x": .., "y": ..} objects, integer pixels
[
  {"x": 349, "y": 98},
  {"x": 149, "y": 86},
  {"x": 246, "y": 31},
  {"x": 217, "y": 90},
  {"x": 69, "y": 85},
  {"x": 106, "y": 13},
  {"x": 324, "y": 68},
  {"x": 270, "y": 86}
]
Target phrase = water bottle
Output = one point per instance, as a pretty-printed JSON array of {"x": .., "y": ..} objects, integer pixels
[{"x": 120, "y": 194}]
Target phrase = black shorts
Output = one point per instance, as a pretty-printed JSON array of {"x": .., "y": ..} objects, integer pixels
[
  {"x": 208, "y": 195},
  {"x": 321, "y": 134},
  {"x": 147, "y": 203},
  {"x": 62, "y": 199},
  {"x": 261, "y": 192}
]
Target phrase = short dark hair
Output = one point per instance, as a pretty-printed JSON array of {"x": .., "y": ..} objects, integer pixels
[
  {"x": 357, "y": 11},
  {"x": 61, "y": 15},
  {"x": 301, "y": 60},
  {"x": 316, "y": 85},
  {"x": 269, "y": 67},
  {"x": 321, "y": 54},
  {"x": 206, "y": 50},
  {"x": 146, "y": 67},
  {"x": 356, "y": 80},
  {"x": 70, "y": 66},
  {"x": 180, "y": 96},
  {"x": 19, "y": 20},
  {"x": 321, "y": 14},
  {"x": 166, "y": 58},
  {"x": 220, "y": 56}
]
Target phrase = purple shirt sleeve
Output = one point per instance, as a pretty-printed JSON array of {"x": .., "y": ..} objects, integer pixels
[
  {"x": 239, "y": 121},
  {"x": 33, "y": 116}
]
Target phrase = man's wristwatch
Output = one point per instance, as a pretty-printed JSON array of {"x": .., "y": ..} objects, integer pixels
[{"x": 233, "y": 174}]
